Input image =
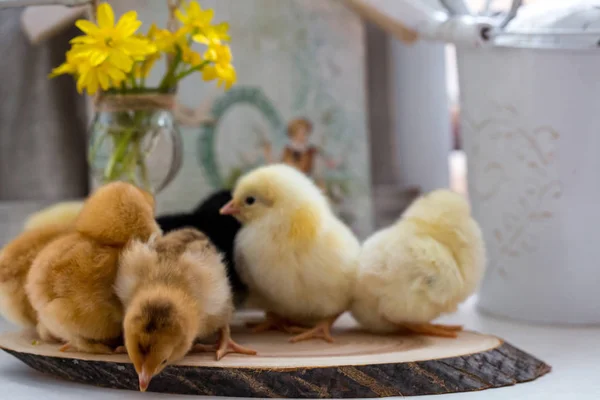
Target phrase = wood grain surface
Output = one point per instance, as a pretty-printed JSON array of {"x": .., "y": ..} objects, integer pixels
[{"x": 357, "y": 365}]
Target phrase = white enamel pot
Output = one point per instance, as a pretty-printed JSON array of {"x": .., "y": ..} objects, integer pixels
[{"x": 530, "y": 124}]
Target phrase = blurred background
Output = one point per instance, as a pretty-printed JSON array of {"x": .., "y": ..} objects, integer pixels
[
  {"x": 496, "y": 99},
  {"x": 407, "y": 91},
  {"x": 43, "y": 123}
]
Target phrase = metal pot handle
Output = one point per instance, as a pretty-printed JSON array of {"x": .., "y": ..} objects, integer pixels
[
  {"x": 512, "y": 13},
  {"x": 456, "y": 7}
]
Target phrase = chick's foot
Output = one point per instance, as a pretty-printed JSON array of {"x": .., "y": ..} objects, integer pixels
[
  {"x": 120, "y": 350},
  {"x": 449, "y": 331},
  {"x": 321, "y": 331},
  {"x": 273, "y": 322},
  {"x": 227, "y": 345}
]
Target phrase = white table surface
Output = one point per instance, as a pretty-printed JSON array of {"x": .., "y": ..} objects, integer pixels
[{"x": 573, "y": 353}]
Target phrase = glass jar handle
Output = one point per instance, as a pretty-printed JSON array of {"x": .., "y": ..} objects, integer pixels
[{"x": 176, "y": 161}]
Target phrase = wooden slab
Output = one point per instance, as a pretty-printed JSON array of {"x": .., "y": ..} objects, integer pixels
[{"x": 356, "y": 365}]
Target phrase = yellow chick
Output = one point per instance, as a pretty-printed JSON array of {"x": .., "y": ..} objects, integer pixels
[
  {"x": 426, "y": 264},
  {"x": 15, "y": 261},
  {"x": 59, "y": 213},
  {"x": 70, "y": 284},
  {"x": 298, "y": 259},
  {"x": 175, "y": 290}
]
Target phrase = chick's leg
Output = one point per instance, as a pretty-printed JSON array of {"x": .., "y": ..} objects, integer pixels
[
  {"x": 449, "y": 331},
  {"x": 227, "y": 345},
  {"x": 273, "y": 322},
  {"x": 321, "y": 331},
  {"x": 201, "y": 348}
]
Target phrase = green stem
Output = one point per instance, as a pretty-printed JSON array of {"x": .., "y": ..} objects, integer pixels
[
  {"x": 127, "y": 159},
  {"x": 130, "y": 163},
  {"x": 183, "y": 74},
  {"x": 143, "y": 168},
  {"x": 165, "y": 84},
  {"x": 132, "y": 80},
  {"x": 94, "y": 149},
  {"x": 112, "y": 170}
]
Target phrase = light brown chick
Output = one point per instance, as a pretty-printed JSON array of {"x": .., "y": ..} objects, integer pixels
[
  {"x": 15, "y": 261},
  {"x": 175, "y": 290},
  {"x": 70, "y": 284}
]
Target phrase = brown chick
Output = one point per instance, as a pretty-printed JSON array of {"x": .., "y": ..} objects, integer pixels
[
  {"x": 70, "y": 284},
  {"x": 175, "y": 290},
  {"x": 15, "y": 261}
]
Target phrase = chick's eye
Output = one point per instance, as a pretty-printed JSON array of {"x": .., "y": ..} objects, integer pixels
[
  {"x": 250, "y": 200},
  {"x": 164, "y": 362}
]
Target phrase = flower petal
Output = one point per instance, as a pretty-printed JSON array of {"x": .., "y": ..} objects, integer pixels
[
  {"x": 103, "y": 79},
  {"x": 80, "y": 84},
  {"x": 98, "y": 57},
  {"x": 62, "y": 69},
  {"x": 182, "y": 18},
  {"x": 135, "y": 46},
  {"x": 82, "y": 81},
  {"x": 201, "y": 38},
  {"x": 82, "y": 52},
  {"x": 116, "y": 75},
  {"x": 83, "y": 40},
  {"x": 207, "y": 16},
  {"x": 105, "y": 16},
  {"x": 194, "y": 9},
  {"x": 87, "y": 27},
  {"x": 128, "y": 24},
  {"x": 129, "y": 16},
  {"x": 210, "y": 54},
  {"x": 209, "y": 73},
  {"x": 121, "y": 60},
  {"x": 92, "y": 83}
]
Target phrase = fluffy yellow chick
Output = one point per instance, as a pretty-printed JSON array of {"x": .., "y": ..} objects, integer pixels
[
  {"x": 298, "y": 259},
  {"x": 60, "y": 213},
  {"x": 426, "y": 264},
  {"x": 70, "y": 284},
  {"x": 175, "y": 290},
  {"x": 15, "y": 261}
]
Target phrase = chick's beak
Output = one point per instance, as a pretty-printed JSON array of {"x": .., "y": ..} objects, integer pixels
[
  {"x": 145, "y": 377},
  {"x": 230, "y": 209}
]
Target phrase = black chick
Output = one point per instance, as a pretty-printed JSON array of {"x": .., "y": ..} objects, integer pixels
[{"x": 220, "y": 229}]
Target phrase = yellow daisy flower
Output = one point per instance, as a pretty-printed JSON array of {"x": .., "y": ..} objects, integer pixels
[
  {"x": 107, "y": 41},
  {"x": 93, "y": 77},
  {"x": 213, "y": 34},
  {"x": 68, "y": 67},
  {"x": 89, "y": 77},
  {"x": 190, "y": 57},
  {"x": 221, "y": 69},
  {"x": 194, "y": 17},
  {"x": 166, "y": 40}
]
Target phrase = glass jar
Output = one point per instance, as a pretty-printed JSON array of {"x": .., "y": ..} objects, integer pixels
[{"x": 135, "y": 138}]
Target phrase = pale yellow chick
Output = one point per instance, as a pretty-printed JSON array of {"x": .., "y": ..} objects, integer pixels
[
  {"x": 59, "y": 213},
  {"x": 298, "y": 259},
  {"x": 424, "y": 266},
  {"x": 175, "y": 290}
]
